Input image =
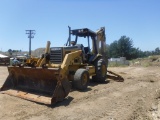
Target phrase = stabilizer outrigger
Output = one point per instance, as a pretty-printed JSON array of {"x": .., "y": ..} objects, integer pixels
[{"x": 114, "y": 76}]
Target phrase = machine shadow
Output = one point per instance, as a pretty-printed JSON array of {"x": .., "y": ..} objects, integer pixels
[
  {"x": 65, "y": 102},
  {"x": 69, "y": 99},
  {"x": 92, "y": 83}
]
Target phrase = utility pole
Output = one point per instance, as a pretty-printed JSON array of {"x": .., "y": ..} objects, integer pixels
[{"x": 31, "y": 34}]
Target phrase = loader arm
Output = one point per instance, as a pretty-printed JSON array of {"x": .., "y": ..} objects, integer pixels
[
  {"x": 69, "y": 60},
  {"x": 43, "y": 60}
]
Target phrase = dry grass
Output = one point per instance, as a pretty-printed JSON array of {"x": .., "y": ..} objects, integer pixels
[{"x": 146, "y": 62}]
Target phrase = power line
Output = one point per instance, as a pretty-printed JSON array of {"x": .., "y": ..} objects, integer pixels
[{"x": 31, "y": 34}]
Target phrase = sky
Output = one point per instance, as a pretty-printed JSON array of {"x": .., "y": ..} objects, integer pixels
[{"x": 137, "y": 19}]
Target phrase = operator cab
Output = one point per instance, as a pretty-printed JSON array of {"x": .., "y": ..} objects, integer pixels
[{"x": 85, "y": 33}]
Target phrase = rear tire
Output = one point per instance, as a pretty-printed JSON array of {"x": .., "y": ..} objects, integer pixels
[
  {"x": 101, "y": 71},
  {"x": 81, "y": 79}
]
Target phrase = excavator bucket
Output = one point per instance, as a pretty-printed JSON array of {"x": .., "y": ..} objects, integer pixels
[{"x": 39, "y": 84}]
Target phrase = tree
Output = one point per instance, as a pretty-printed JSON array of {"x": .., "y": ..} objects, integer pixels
[
  {"x": 157, "y": 51},
  {"x": 135, "y": 52},
  {"x": 121, "y": 48},
  {"x": 113, "y": 49},
  {"x": 10, "y": 51},
  {"x": 124, "y": 47}
]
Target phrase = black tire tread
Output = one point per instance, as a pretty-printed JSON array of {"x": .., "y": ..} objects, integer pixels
[
  {"x": 77, "y": 83},
  {"x": 98, "y": 77}
]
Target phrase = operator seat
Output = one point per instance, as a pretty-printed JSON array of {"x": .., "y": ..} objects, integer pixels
[
  {"x": 73, "y": 43},
  {"x": 84, "y": 54}
]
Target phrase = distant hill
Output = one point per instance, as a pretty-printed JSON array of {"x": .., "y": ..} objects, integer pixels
[{"x": 38, "y": 52}]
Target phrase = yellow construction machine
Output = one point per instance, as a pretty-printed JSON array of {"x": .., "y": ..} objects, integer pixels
[
  {"x": 50, "y": 79},
  {"x": 32, "y": 61}
]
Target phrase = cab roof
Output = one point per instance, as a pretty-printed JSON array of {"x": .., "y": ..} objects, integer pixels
[{"x": 84, "y": 32}]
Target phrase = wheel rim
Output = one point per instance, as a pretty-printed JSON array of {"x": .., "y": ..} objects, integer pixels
[
  {"x": 84, "y": 79},
  {"x": 104, "y": 70}
]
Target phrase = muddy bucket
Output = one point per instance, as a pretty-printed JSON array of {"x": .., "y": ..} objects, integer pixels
[{"x": 39, "y": 84}]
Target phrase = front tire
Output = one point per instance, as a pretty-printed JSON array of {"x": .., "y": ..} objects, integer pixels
[{"x": 81, "y": 79}]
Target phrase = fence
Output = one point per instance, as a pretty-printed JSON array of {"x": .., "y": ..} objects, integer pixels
[{"x": 118, "y": 61}]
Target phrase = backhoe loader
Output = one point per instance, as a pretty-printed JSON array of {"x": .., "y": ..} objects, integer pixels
[{"x": 50, "y": 78}]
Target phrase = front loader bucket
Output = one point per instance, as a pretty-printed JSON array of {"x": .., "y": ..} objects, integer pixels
[{"x": 41, "y": 85}]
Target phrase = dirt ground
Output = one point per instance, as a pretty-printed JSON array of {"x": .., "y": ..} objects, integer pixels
[{"x": 137, "y": 98}]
